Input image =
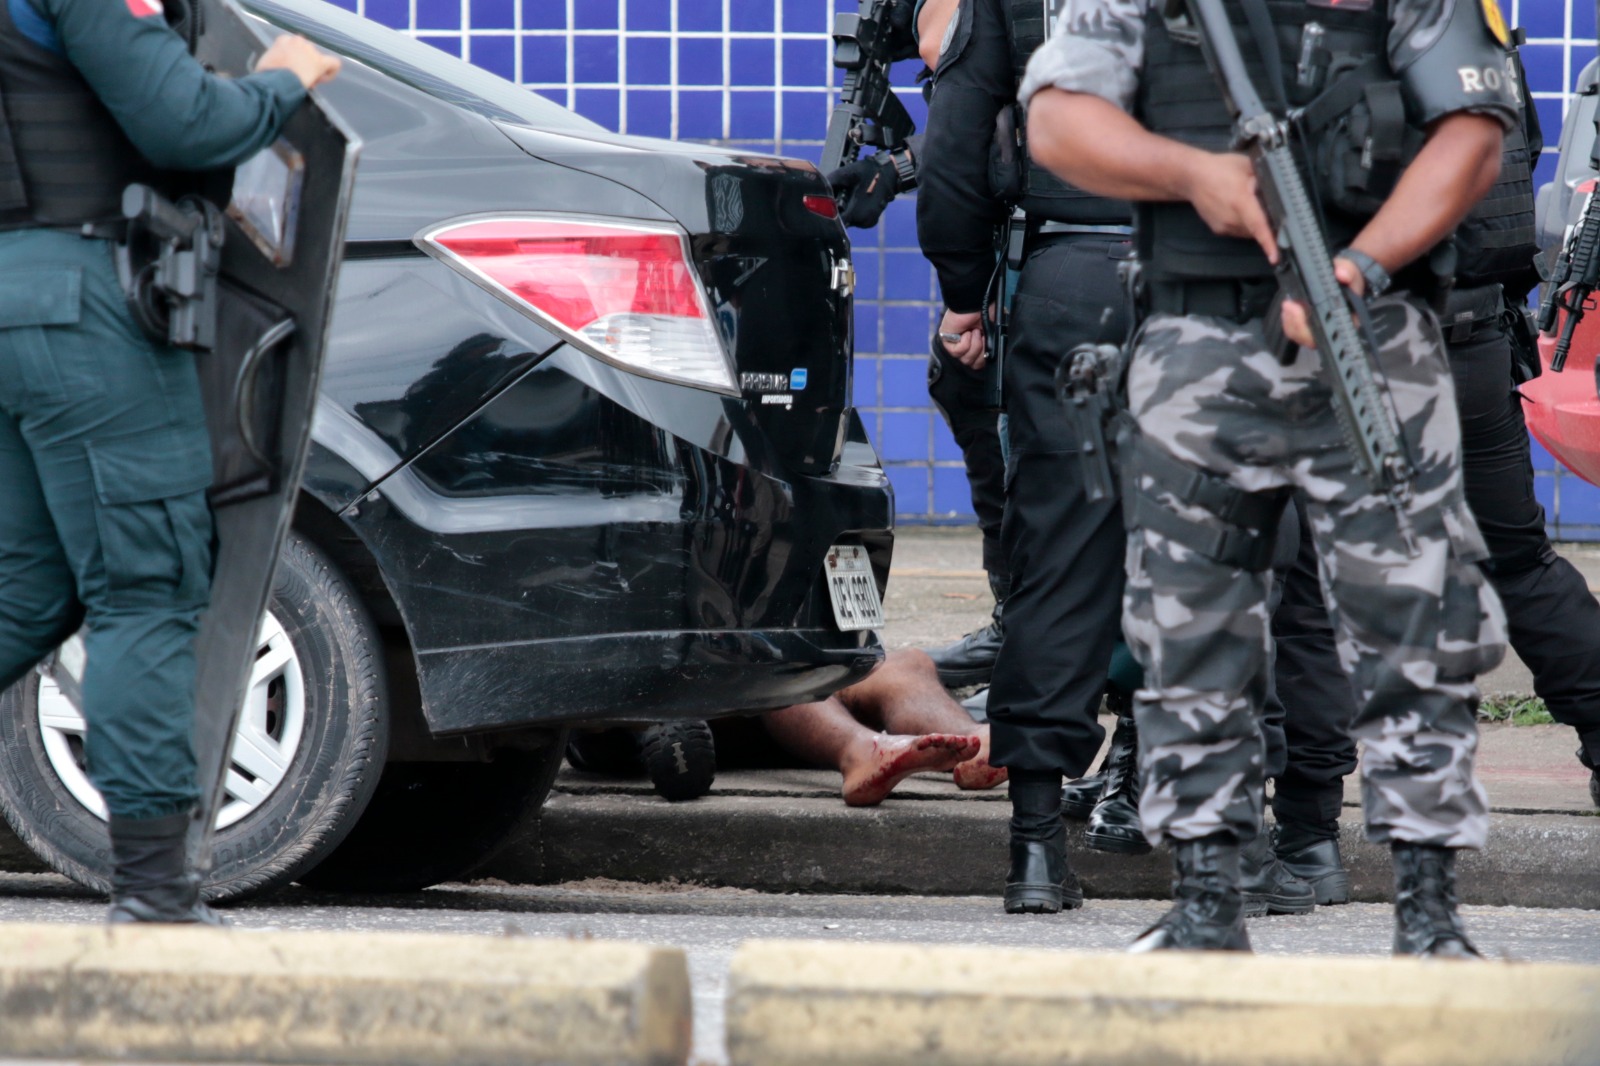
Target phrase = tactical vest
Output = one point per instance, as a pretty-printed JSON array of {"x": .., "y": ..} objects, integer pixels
[
  {"x": 1497, "y": 241},
  {"x": 1045, "y": 197},
  {"x": 1328, "y": 70},
  {"x": 63, "y": 158}
]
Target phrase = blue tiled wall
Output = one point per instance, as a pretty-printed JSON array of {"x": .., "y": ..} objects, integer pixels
[{"x": 756, "y": 73}]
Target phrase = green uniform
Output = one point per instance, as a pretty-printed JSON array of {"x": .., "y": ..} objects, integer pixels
[{"x": 104, "y": 457}]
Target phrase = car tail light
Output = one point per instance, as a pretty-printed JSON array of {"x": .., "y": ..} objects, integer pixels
[
  {"x": 826, "y": 206},
  {"x": 625, "y": 292}
]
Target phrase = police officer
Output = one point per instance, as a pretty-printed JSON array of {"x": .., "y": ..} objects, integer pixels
[
  {"x": 104, "y": 457},
  {"x": 1121, "y": 101},
  {"x": 1063, "y": 551},
  {"x": 1553, "y": 620}
]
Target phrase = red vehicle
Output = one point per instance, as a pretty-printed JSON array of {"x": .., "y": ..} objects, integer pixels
[{"x": 1563, "y": 410}]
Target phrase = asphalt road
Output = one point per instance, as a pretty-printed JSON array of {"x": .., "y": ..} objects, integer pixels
[{"x": 711, "y": 923}]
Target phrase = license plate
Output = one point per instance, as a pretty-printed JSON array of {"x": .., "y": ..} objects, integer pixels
[{"x": 852, "y": 588}]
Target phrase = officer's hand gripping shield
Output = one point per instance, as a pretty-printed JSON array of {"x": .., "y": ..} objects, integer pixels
[{"x": 280, "y": 260}]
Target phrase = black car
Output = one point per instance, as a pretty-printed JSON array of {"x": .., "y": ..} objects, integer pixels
[{"x": 583, "y": 453}]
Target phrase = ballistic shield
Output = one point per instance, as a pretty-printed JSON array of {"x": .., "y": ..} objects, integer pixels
[{"x": 285, "y": 226}]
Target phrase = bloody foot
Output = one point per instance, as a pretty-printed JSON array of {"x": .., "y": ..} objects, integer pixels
[
  {"x": 977, "y": 772},
  {"x": 892, "y": 759}
]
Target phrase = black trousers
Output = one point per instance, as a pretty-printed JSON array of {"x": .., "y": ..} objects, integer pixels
[
  {"x": 1311, "y": 705},
  {"x": 961, "y": 398},
  {"x": 1065, "y": 553},
  {"x": 1553, "y": 619}
]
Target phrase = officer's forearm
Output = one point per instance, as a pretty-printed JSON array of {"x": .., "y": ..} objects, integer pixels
[
  {"x": 1097, "y": 146},
  {"x": 1456, "y": 167}
]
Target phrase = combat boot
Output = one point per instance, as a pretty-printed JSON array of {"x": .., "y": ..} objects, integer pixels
[
  {"x": 1591, "y": 740},
  {"x": 1114, "y": 822},
  {"x": 1425, "y": 918},
  {"x": 681, "y": 758},
  {"x": 1079, "y": 797},
  {"x": 150, "y": 878},
  {"x": 1268, "y": 886},
  {"x": 1311, "y": 853},
  {"x": 1208, "y": 909},
  {"x": 970, "y": 660},
  {"x": 1040, "y": 881}
]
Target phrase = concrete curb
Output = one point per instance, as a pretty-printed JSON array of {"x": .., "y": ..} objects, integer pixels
[
  {"x": 806, "y": 844},
  {"x": 183, "y": 994},
  {"x": 793, "y": 1003}
]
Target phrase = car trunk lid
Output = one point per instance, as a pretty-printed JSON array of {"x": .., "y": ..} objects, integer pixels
[{"x": 775, "y": 264}]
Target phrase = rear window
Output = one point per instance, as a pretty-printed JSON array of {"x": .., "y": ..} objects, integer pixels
[{"x": 418, "y": 65}]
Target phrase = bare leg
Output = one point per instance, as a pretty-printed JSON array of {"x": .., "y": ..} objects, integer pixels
[
  {"x": 872, "y": 763},
  {"x": 904, "y": 696}
]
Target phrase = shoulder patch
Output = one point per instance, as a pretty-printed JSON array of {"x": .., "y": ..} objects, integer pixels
[
  {"x": 1496, "y": 22},
  {"x": 144, "y": 8}
]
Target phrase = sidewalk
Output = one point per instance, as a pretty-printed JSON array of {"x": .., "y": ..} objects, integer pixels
[{"x": 788, "y": 831}]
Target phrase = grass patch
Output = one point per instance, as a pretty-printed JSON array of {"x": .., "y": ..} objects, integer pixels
[{"x": 1518, "y": 710}]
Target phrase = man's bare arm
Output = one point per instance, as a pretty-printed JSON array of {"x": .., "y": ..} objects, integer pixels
[{"x": 1455, "y": 169}]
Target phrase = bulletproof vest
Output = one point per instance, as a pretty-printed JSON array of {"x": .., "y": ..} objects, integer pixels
[
  {"x": 1046, "y": 197},
  {"x": 1497, "y": 241},
  {"x": 63, "y": 158},
  {"x": 1341, "y": 59}
]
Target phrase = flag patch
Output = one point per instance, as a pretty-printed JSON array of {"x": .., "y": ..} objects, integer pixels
[{"x": 145, "y": 8}]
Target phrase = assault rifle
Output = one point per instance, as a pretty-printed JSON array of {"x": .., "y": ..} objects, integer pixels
[
  {"x": 1305, "y": 268},
  {"x": 1572, "y": 281},
  {"x": 865, "y": 45}
]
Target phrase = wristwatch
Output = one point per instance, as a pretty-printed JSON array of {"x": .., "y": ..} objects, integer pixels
[
  {"x": 905, "y": 168},
  {"x": 1377, "y": 278}
]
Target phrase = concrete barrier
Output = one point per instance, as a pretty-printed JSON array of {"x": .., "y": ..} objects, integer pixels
[
  {"x": 793, "y": 1003},
  {"x": 182, "y": 994}
]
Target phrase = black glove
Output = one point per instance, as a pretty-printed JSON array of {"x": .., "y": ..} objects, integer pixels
[
  {"x": 900, "y": 31},
  {"x": 864, "y": 188}
]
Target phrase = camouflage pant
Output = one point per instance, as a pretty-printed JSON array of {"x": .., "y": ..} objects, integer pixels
[{"x": 1413, "y": 632}]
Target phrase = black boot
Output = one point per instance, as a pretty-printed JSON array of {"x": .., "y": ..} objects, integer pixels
[
  {"x": 970, "y": 660},
  {"x": 1311, "y": 853},
  {"x": 1425, "y": 918},
  {"x": 1114, "y": 822},
  {"x": 1268, "y": 886},
  {"x": 1591, "y": 741},
  {"x": 1079, "y": 797},
  {"x": 681, "y": 758},
  {"x": 1208, "y": 912},
  {"x": 1208, "y": 909},
  {"x": 1040, "y": 881},
  {"x": 150, "y": 879}
]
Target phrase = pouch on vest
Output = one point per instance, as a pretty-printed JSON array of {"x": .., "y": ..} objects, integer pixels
[{"x": 1361, "y": 140}]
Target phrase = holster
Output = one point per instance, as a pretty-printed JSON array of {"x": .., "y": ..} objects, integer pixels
[{"x": 169, "y": 259}]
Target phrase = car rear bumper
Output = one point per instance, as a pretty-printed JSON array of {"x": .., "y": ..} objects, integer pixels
[{"x": 641, "y": 676}]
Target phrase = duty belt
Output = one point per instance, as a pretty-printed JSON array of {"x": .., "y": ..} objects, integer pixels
[
  {"x": 1470, "y": 310},
  {"x": 1239, "y": 301},
  {"x": 1051, "y": 229}
]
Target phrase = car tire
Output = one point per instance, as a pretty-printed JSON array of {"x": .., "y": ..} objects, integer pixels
[
  {"x": 432, "y": 822},
  {"x": 331, "y": 773}
]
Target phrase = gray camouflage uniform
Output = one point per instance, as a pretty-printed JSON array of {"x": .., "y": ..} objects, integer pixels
[{"x": 1413, "y": 631}]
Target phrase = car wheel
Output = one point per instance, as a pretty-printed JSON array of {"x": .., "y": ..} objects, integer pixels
[
  {"x": 306, "y": 756},
  {"x": 432, "y": 822}
]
